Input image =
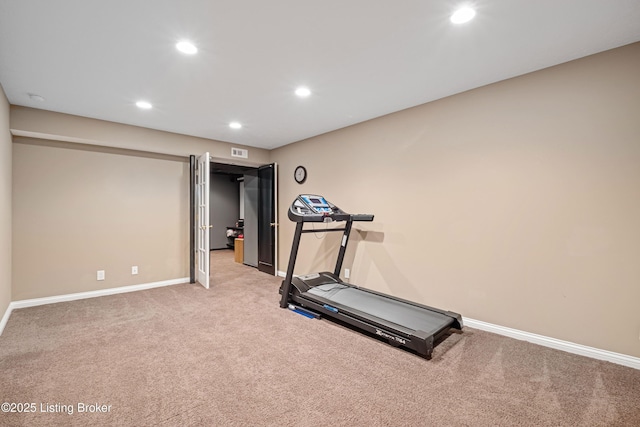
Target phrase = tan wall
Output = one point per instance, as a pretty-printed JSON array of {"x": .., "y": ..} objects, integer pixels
[
  {"x": 77, "y": 211},
  {"x": 5, "y": 205},
  {"x": 50, "y": 125},
  {"x": 100, "y": 201},
  {"x": 515, "y": 204}
]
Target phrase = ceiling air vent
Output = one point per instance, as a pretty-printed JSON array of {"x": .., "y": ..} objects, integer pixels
[{"x": 239, "y": 152}]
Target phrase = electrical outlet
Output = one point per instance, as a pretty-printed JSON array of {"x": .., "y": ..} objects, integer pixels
[
  {"x": 347, "y": 273},
  {"x": 100, "y": 275},
  {"x": 134, "y": 269}
]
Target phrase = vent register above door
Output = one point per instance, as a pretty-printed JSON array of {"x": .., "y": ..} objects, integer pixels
[{"x": 239, "y": 152}]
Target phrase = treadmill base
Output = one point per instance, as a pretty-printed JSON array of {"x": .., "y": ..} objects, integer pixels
[{"x": 417, "y": 341}]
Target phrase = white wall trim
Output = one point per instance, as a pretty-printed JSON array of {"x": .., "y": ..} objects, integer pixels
[
  {"x": 5, "y": 318},
  {"x": 93, "y": 294},
  {"x": 569, "y": 347},
  {"x": 83, "y": 295}
]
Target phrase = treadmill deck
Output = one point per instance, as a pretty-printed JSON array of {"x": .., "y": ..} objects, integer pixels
[{"x": 398, "y": 312}]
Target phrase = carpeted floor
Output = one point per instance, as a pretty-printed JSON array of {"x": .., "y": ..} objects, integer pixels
[{"x": 229, "y": 356}]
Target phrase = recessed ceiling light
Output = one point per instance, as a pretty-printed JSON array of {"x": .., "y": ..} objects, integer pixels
[
  {"x": 186, "y": 47},
  {"x": 462, "y": 15},
  {"x": 144, "y": 105},
  {"x": 235, "y": 125},
  {"x": 303, "y": 92}
]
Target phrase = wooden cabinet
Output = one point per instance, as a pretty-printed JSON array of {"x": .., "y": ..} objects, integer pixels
[{"x": 239, "y": 250}]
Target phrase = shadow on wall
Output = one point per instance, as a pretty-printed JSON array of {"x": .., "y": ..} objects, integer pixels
[
  {"x": 371, "y": 236},
  {"x": 327, "y": 252},
  {"x": 375, "y": 257},
  {"x": 358, "y": 236}
]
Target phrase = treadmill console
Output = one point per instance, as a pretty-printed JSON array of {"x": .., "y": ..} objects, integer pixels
[
  {"x": 314, "y": 208},
  {"x": 317, "y": 203}
]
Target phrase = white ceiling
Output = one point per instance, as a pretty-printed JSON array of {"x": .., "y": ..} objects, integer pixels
[{"x": 361, "y": 58}]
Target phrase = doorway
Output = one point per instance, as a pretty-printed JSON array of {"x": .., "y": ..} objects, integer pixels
[{"x": 241, "y": 204}]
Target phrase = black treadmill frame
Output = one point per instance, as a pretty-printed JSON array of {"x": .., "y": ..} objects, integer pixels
[{"x": 292, "y": 291}]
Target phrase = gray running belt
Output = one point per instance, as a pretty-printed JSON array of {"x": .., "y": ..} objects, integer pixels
[{"x": 398, "y": 312}]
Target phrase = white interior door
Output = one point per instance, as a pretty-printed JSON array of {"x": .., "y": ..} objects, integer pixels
[{"x": 202, "y": 220}]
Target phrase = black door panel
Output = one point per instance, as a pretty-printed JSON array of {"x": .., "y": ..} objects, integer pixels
[{"x": 266, "y": 219}]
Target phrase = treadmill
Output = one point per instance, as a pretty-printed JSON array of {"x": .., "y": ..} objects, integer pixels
[{"x": 400, "y": 322}]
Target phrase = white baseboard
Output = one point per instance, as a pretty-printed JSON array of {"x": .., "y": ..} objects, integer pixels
[
  {"x": 83, "y": 295},
  {"x": 282, "y": 273},
  {"x": 569, "y": 347},
  {"x": 5, "y": 318}
]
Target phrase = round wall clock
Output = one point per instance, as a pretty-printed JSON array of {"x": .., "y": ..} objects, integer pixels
[{"x": 300, "y": 174}]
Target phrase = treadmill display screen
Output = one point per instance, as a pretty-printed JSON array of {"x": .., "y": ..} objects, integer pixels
[{"x": 317, "y": 203}]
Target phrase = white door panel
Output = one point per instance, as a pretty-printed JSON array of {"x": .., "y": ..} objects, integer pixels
[{"x": 202, "y": 220}]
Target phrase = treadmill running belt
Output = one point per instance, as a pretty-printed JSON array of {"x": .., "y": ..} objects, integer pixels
[{"x": 398, "y": 312}]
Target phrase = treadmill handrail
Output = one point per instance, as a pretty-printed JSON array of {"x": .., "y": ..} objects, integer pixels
[
  {"x": 329, "y": 217},
  {"x": 306, "y": 218}
]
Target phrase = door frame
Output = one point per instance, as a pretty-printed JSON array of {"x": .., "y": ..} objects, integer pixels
[{"x": 192, "y": 221}]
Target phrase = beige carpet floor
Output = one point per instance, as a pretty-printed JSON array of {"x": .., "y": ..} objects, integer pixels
[{"x": 229, "y": 356}]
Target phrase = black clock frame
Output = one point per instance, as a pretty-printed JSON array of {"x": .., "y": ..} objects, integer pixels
[{"x": 295, "y": 174}]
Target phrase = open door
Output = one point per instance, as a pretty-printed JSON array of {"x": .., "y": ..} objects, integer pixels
[
  {"x": 202, "y": 219},
  {"x": 267, "y": 219}
]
